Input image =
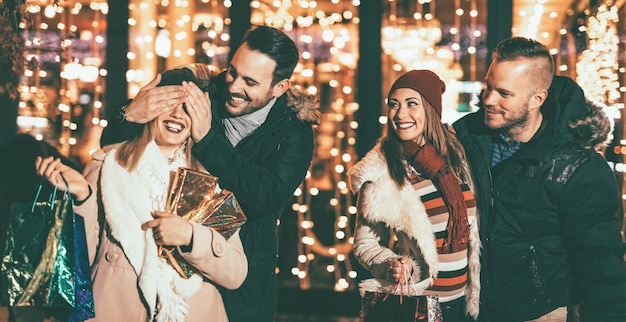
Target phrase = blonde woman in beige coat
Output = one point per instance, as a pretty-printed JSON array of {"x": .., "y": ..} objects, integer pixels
[{"x": 122, "y": 196}]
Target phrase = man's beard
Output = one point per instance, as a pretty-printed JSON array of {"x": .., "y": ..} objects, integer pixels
[
  {"x": 514, "y": 123},
  {"x": 226, "y": 113},
  {"x": 510, "y": 124}
]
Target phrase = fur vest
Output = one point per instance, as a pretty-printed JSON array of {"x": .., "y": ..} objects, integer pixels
[{"x": 401, "y": 209}]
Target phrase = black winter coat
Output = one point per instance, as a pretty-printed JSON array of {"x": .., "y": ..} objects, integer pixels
[
  {"x": 549, "y": 216},
  {"x": 262, "y": 171}
]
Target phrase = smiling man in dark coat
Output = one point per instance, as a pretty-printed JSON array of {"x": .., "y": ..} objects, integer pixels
[{"x": 548, "y": 202}]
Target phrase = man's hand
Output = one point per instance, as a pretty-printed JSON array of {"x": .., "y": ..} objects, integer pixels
[
  {"x": 199, "y": 109},
  {"x": 169, "y": 229},
  {"x": 152, "y": 101}
]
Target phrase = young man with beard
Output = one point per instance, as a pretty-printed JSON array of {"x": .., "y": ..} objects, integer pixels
[
  {"x": 252, "y": 130},
  {"x": 549, "y": 204}
]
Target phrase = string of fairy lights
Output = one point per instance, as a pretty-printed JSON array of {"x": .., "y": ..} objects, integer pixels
[
  {"x": 168, "y": 33},
  {"x": 67, "y": 60},
  {"x": 600, "y": 72},
  {"x": 598, "y": 67}
]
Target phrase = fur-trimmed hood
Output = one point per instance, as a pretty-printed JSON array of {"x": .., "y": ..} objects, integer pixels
[
  {"x": 575, "y": 118},
  {"x": 593, "y": 130},
  {"x": 304, "y": 103}
]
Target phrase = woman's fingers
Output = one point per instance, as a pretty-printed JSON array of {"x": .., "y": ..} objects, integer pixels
[
  {"x": 51, "y": 169},
  {"x": 169, "y": 229},
  {"x": 44, "y": 166},
  {"x": 397, "y": 268}
]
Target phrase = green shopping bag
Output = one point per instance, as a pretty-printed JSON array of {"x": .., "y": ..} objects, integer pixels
[{"x": 45, "y": 262}]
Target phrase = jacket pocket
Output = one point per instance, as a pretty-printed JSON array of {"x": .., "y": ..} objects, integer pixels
[
  {"x": 535, "y": 274},
  {"x": 519, "y": 279}
]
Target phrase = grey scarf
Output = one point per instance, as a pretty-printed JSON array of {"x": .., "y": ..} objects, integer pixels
[{"x": 239, "y": 127}]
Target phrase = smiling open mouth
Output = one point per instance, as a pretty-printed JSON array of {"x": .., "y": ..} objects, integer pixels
[
  {"x": 174, "y": 126},
  {"x": 404, "y": 125},
  {"x": 237, "y": 99}
]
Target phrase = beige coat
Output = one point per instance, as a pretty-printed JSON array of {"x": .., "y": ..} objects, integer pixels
[{"x": 119, "y": 293}]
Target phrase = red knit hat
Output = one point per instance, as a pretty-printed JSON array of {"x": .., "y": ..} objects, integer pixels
[{"x": 427, "y": 83}]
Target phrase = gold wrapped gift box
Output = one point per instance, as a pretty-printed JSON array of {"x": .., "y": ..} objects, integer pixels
[{"x": 194, "y": 196}]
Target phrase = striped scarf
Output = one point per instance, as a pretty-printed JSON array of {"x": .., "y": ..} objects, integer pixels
[{"x": 431, "y": 165}]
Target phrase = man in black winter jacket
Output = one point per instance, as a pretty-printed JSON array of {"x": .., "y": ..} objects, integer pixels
[
  {"x": 549, "y": 204},
  {"x": 254, "y": 132}
]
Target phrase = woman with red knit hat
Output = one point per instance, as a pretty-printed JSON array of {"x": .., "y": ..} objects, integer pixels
[{"x": 416, "y": 211}]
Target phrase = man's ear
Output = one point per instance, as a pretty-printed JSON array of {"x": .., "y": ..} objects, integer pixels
[
  {"x": 281, "y": 87},
  {"x": 539, "y": 97}
]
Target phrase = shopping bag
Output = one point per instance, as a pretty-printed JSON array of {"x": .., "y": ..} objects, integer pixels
[
  {"x": 45, "y": 261},
  {"x": 27, "y": 231},
  {"x": 194, "y": 196},
  {"x": 394, "y": 306},
  {"x": 83, "y": 302},
  {"x": 379, "y": 306}
]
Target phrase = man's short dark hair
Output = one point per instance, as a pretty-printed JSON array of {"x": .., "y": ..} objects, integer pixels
[
  {"x": 517, "y": 47},
  {"x": 521, "y": 47},
  {"x": 278, "y": 46}
]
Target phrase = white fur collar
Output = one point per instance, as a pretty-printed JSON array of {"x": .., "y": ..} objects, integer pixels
[
  {"x": 398, "y": 208},
  {"x": 128, "y": 201}
]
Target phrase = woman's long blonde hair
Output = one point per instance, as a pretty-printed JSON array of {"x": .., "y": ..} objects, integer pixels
[{"x": 130, "y": 152}]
